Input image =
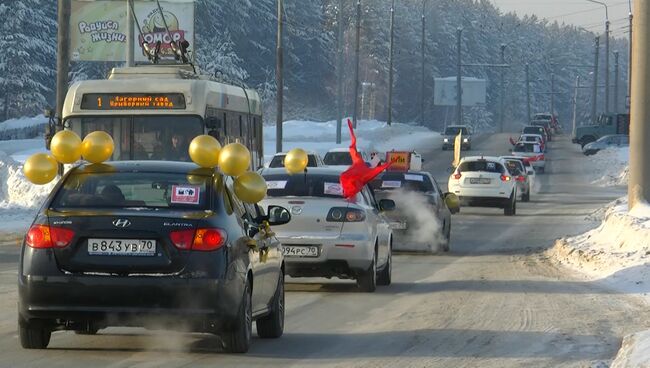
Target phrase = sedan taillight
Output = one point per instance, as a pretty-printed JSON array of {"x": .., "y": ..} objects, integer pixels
[
  {"x": 458, "y": 176},
  {"x": 521, "y": 178},
  {"x": 342, "y": 214},
  {"x": 204, "y": 240},
  {"x": 505, "y": 178},
  {"x": 43, "y": 236}
]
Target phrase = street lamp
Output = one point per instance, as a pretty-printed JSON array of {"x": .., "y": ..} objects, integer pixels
[{"x": 606, "y": 52}]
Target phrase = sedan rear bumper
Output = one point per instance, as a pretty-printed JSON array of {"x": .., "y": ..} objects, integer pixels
[{"x": 484, "y": 202}]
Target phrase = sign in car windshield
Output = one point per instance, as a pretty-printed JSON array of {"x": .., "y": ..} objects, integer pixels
[{"x": 133, "y": 101}]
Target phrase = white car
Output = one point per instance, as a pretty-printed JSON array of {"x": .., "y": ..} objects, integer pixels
[
  {"x": 341, "y": 157},
  {"x": 314, "y": 160},
  {"x": 331, "y": 236},
  {"x": 533, "y": 138},
  {"x": 532, "y": 152},
  {"x": 484, "y": 182}
]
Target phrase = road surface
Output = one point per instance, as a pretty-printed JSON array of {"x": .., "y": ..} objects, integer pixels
[{"x": 494, "y": 301}]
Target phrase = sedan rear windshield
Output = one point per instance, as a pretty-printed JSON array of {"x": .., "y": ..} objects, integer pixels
[
  {"x": 133, "y": 190},
  {"x": 278, "y": 161},
  {"x": 482, "y": 165},
  {"x": 533, "y": 130},
  {"x": 303, "y": 185},
  {"x": 527, "y": 148},
  {"x": 337, "y": 158},
  {"x": 406, "y": 181}
]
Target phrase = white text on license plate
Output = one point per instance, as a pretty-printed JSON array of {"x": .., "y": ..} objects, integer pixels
[
  {"x": 479, "y": 181},
  {"x": 121, "y": 247},
  {"x": 299, "y": 251}
]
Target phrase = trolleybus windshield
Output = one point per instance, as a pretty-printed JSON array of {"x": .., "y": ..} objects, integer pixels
[{"x": 144, "y": 137}]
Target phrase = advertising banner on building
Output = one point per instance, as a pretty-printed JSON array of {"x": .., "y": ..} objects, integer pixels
[{"x": 98, "y": 28}]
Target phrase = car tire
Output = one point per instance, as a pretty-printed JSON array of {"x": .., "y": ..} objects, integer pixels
[
  {"x": 367, "y": 280},
  {"x": 238, "y": 339},
  {"x": 444, "y": 148},
  {"x": 34, "y": 335},
  {"x": 446, "y": 245},
  {"x": 271, "y": 326},
  {"x": 526, "y": 196},
  {"x": 511, "y": 207},
  {"x": 542, "y": 170},
  {"x": 385, "y": 275}
]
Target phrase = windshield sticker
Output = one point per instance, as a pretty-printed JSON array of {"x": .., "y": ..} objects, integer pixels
[
  {"x": 411, "y": 177},
  {"x": 185, "y": 194},
  {"x": 332, "y": 189},
  {"x": 491, "y": 166},
  {"x": 391, "y": 184},
  {"x": 276, "y": 184}
]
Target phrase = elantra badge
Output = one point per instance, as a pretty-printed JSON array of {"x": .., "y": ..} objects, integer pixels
[{"x": 121, "y": 223}]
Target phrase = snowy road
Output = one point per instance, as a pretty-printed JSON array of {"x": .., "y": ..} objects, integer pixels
[{"x": 495, "y": 301}]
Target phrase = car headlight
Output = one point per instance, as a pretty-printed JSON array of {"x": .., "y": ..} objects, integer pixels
[
  {"x": 465, "y": 140},
  {"x": 446, "y": 140}
]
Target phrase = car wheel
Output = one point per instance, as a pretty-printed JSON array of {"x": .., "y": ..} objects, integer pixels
[
  {"x": 541, "y": 170},
  {"x": 34, "y": 335},
  {"x": 446, "y": 244},
  {"x": 238, "y": 340},
  {"x": 385, "y": 275},
  {"x": 511, "y": 207},
  {"x": 367, "y": 280},
  {"x": 272, "y": 325},
  {"x": 526, "y": 196}
]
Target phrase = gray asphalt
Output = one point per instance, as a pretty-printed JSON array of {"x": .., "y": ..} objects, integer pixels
[{"x": 494, "y": 301}]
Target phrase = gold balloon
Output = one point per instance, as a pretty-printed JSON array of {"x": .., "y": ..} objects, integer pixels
[
  {"x": 204, "y": 151},
  {"x": 296, "y": 161},
  {"x": 40, "y": 168},
  {"x": 66, "y": 147},
  {"x": 250, "y": 187},
  {"x": 234, "y": 159},
  {"x": 97, "y": 147},
  {"x": 453, "y": 202}
]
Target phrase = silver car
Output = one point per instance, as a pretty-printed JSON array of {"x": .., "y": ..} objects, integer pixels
[{"x": 330, "y": 236}]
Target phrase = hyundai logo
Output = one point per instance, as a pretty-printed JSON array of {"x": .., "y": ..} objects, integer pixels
[{"x": 121, "y": 223}]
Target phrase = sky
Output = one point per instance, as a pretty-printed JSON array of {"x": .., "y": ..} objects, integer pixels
[{"x": 579, "y": 12}]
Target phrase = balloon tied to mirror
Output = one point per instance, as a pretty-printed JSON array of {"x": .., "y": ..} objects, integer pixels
[{"x": 67, "y": 148}]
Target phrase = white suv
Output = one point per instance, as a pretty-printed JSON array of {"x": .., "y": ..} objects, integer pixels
[{"x": 484, "y": 182}]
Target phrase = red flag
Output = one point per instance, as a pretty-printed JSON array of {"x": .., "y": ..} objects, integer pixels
[{"x": 359, "y": 174}]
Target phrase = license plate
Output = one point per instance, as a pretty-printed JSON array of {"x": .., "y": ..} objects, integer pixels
[
  {"x": 398, "y": 225},
  {"x": 121, "y": 247},
  {"x": 479, "y": 181},
  {"x": 299, "y": 251}
]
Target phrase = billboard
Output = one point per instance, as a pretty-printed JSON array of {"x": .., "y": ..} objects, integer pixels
[
  {"x": 98, "y": 28},
  {"x": 473, "y": 89}
]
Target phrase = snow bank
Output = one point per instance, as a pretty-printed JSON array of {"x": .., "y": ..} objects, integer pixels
[
  {"x": 635, "y": 352},
  {"x": 610, "y": 166},
  {"x": 21, "y": 123},
  {"x": 372, "y": 136}
]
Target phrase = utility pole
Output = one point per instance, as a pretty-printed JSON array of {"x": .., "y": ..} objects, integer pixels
[
  {"x": 424, "y": 4},
  {"x": 459, "y": 87},
  {"x": 357, "y": 61},
  {"x": 594, "y": 93},
  {"x": 503, "y": 88},
  {"x": 575, "y": 106},
  {"x": 339, "y": 75},
  {"x": 553, "y": 93},
  {"x": 279, "y": 75},
  {"x": 130, "y": 34},
  {"x": 390, "y": 62},
  {"x": 629, "y": 60},
  {"x": 607, "y": 66},
  {"x": 528, "y": 114},
  {"x": 62, "y": 55},
  {"x": 616, "y": 77},
  {"x": 639, "y": 183}
]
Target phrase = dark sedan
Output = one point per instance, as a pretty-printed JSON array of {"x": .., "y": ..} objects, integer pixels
[{"x": 151, "y": 244}]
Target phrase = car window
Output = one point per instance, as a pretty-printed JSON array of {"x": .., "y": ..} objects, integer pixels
[
  {"x": 303, "y": 185},
  {"x": 514, "y": 167},
  {"x": 526, "y": 148},
  {"x": 415, "y": 182},
  {"x": 337, "y": 158},
  {"x": 481, "y": 166},
  {"x": 134, "y": 189},
  {"x": 277, "y": 161}
]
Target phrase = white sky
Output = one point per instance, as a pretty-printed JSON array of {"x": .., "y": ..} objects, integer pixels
[{"x": 579, "y": 12}]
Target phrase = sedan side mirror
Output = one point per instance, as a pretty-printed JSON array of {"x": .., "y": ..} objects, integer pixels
[
  {"x": 278, "y": 215},
  {"x": 387, "y": 205},
  {"x": 453, "y": 203}
]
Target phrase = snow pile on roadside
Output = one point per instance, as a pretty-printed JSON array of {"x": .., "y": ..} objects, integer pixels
[
  {"x": 19, "y": 199},
  {"x": 635, "y": 351},
  {"x": 21, "y": 123},
  {"x": 618, "y": 251},
  {"x": 610, "y": 166},
  {"x": 372, "y": 136}
]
